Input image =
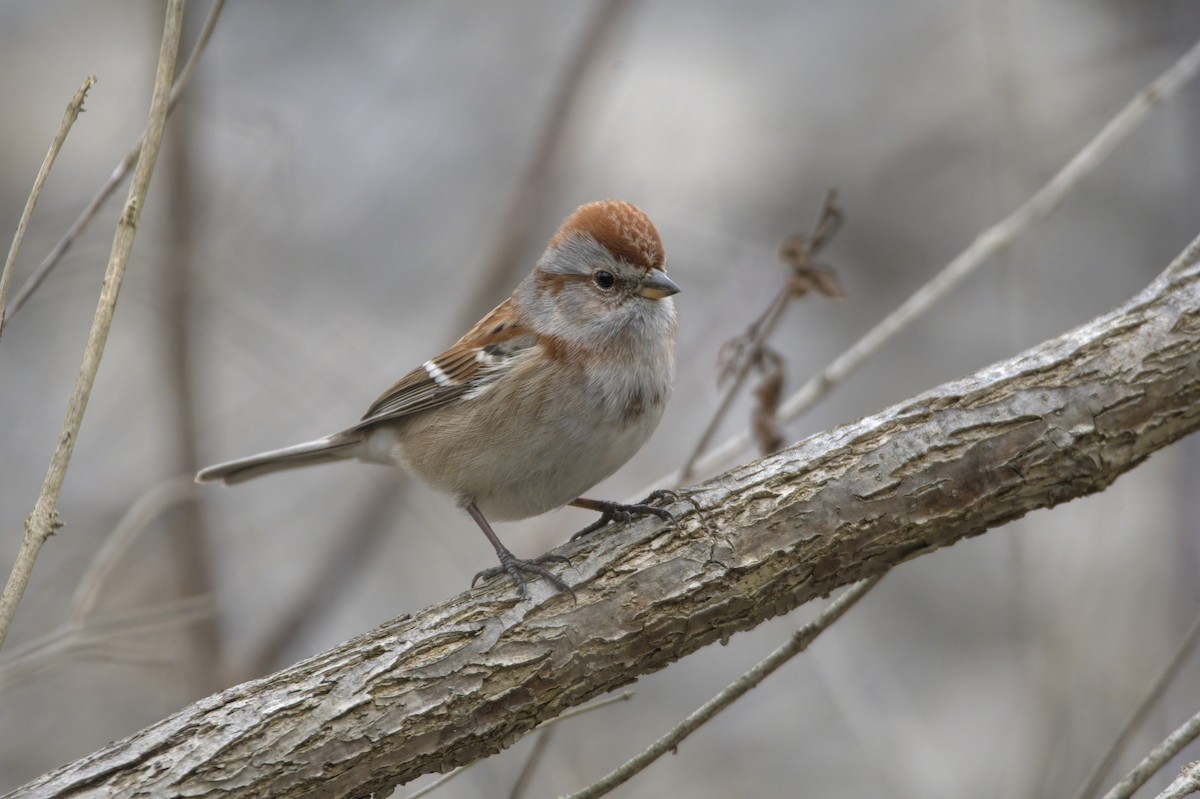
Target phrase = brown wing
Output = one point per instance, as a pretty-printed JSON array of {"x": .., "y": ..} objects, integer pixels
[{"x": 476, "y": 360}]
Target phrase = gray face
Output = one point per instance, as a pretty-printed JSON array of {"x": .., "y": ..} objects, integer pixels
[{"x": 583, "y": 294}]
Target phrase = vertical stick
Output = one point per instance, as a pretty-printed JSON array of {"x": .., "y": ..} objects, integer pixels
[{"x": 44, "y": 520}]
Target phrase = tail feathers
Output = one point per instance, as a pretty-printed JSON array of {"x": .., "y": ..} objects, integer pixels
[{"x": 336, "y": 447}]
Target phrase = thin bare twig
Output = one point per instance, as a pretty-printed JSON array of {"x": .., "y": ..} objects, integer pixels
[
  {"x": 118, "y": 174},
  {"x": 528, "y": 200},
  {"x": 72, "y": 113},
  {"x": 147, "y": 507},
  {"x": 531, "y": 763},
  {"x": 579, "y": 711},
  {"x": 1149, "y": 701},
  {"x": 187, "y": 535},
  {"x": 986, "y": 244},
  {"x": 44, "y": 520},
  {"x": 82, "y": 633},
  {"x": 97, "y": 638},
  {"x": 797, "y": 252},
  {"x": 1158, "y": 757},
  {"x": 795, "y": 644},
  {"x": 359, "y": 540},
  {"x": 1188, "y": 782}
]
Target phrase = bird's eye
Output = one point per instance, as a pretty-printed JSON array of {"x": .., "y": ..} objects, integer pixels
[{"x": 604, "y": 280}]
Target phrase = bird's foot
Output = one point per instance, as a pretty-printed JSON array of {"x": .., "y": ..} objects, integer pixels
[
  {"x": 517, "y": 568},
  {"x": 615, "y": 511}
]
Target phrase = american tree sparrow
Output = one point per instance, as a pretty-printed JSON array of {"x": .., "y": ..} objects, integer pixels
[{"x": 549, "y": 394}]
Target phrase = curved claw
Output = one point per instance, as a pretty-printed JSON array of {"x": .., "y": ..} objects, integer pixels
[{"x": 516, "y": 568}]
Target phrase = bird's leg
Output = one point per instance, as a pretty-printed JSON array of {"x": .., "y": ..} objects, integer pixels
[
  {"x": 615, "y": 511},
  {"x": 515, "y": 567}
]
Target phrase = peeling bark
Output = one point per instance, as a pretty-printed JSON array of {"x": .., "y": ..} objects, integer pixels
[{"x": 468, "y": 677}]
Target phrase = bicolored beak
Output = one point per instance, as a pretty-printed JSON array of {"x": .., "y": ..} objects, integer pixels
[{"x": 656, "y": 285}]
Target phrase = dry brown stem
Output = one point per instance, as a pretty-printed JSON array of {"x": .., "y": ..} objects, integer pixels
[{"x": 750, "y": 351}]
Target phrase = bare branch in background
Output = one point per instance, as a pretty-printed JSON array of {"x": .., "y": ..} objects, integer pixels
[
  {"x": 337, "y": 569},
  {"x": 531, "y": 762},
  {"x": 187, "y": 535},
  {"x": 749, "y": 351},
  {"x": 527, "y": 204},
  {"x": 987, "y": 244},
  {"x": 101, "y": 638},
  {"x": 796, "y": 643},
  {"x": 118, "y": 174},
  {"x": 1188, "y": 782},
  {"x": 1149, "y": 701},
  {"x": 148, "y": 507},
  {"x": 44, "y": 520},
  {"x": 89, "y": 634},
  {"x": 1158, "y": 757},
  {"x": 1062, "y": 420},
  {"x": 74, "y": 108}
]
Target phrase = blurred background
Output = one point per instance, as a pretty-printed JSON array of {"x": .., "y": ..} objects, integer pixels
[{"x": 346, "y": 187}]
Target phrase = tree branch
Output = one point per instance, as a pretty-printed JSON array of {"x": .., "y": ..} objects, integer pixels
[
  {"x": 43, "y": 521},
  {"x": 118, "y": 174},
  {"x": 1159, "y": 756},
  {"x": 1148, "y": 703},
  {"x": 1188, "y": 782},
  {"x": 986, "y": 245},
  {"x": 74, "y": 108},
  {"x": 471, "y": 675}
]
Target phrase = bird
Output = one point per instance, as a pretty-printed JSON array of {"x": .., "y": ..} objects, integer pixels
[{"x": 551, "y": 392}]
